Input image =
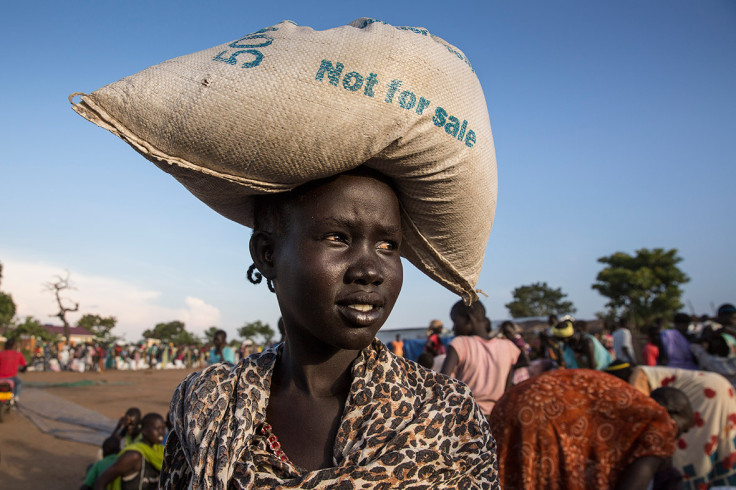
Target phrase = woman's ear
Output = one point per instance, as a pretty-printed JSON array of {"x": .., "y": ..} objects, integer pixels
[{"x": 261, "y": 251}]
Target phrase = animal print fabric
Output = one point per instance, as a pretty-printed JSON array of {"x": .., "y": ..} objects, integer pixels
[{"x": 403, "y": 426}]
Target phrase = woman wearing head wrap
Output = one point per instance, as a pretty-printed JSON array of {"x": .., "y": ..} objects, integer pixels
[
  {"x": 434, "y": 345},
  {"x": 580, "y": 348}
]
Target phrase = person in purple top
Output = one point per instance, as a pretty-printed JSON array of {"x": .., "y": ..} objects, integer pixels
[{"x": 675, "y": 350}]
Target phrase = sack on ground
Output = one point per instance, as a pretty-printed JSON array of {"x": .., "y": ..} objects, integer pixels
[{"x": 287, "y": 104}]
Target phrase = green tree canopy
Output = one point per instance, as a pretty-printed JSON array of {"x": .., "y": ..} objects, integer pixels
[
  {"x": 174, "y": 332},
  {"x": 29, "y": 326},
  {"x": 255, "y": 329},
  {"x": 7, "y": 305},
  {"x": 538, "y": 299},
  {"x": 99, "y": 326},
  {"x": 644, "y": 286},
  {"x": 7, "y": 309},
  {"x": 186, "y": 338}
]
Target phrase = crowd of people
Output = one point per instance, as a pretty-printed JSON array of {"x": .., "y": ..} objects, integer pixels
[
  {"x": 569, "y": 407},
  {"x": 99, "y": 356},
  {"x": 574, "y": 409}
]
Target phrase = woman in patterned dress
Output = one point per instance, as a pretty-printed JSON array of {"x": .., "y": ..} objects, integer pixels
[
  {"x": 575, "y": 429},
  {"x": 331, "y": 406}
]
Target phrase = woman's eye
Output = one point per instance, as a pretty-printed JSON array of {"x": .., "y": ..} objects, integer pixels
[
  {"x": 335, "y": 237},
  {"x": 387, "y": 245}
]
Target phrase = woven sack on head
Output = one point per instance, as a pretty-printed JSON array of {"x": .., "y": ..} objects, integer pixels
[{"x": 287, "y": 105}]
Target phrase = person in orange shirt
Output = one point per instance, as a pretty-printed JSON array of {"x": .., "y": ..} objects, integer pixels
[
  {"x": 650, "y": 352},
  {"x": 397, "y": 346}
]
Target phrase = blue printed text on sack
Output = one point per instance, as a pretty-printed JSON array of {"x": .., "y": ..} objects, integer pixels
[
  {"x": 246, "y": 50},
  {"x": 354, "y": 81}
]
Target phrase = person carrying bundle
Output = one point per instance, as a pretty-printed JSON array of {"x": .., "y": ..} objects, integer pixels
[{"x": 344, "y": 150}]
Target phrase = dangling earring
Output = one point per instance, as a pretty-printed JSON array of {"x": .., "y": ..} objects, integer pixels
[{"x": 255, "y": 277}]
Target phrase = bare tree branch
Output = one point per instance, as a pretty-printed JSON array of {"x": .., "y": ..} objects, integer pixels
[{"x": 57, "y": 286}]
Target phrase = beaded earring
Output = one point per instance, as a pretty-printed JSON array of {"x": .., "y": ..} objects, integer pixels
[{"x": 255, "y": 277}]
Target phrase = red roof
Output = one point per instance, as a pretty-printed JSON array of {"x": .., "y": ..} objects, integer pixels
[{"x": 72, "y": 330}]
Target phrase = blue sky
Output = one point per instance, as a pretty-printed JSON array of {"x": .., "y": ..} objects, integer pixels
[{"x": 614, "y": 127}]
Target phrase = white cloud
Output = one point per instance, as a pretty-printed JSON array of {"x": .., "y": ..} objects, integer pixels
[
  {"x": 135, "y": 308},
  {"x": 198, "y": 315}
]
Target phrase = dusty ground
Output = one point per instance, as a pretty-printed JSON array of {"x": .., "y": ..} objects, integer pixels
[{"x": 30, "y": 459}]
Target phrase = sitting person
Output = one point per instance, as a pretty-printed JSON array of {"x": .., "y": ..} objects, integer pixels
[
  {"x": 485, "y": 365},
  {"x": 331, "y": 406},
  {"x": 12, "y": 361},
  {"x": 708, "y": 352},
  {"x": 138, "y": 466},
  {"x": 110, "y": 448},
  {"x": 221, "y": 352},
  {"x": 580, "y": 348},
  {"x": 128, "y": 430},
  {"x": 576, "y": 429},
  {"x": 718, "y": 338},
  {"x": 706, "y": 455}
]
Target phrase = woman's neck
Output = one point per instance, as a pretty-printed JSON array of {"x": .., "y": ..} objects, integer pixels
[{"x": 313, "y": 371}]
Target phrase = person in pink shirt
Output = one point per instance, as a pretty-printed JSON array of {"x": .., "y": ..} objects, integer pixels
[
  {"x": 10, "y": 361},
  {"x": 484, "y": 364}
]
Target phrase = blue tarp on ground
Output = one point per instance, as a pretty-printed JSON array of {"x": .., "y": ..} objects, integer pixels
[{"x": 64, "y": 419}]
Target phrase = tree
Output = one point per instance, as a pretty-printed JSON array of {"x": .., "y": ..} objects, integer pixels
[
  {"x": 251, "y": 330},
  {"x": 7, "y": 305},
  {"x": 171, "y": 332},
  {"x": 644, "y": 286},
  {"x": 186, "y": 338},
  {"x": 99, "y": 326},
  {"x": 7, "y": 309},
  {"x": 538, "y": 299},
  {"x": 57, "y": 287},
  {"x": 30, "y": 326}
]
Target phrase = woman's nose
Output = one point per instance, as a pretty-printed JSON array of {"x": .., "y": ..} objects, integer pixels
[{"x": 365, "y": 268}]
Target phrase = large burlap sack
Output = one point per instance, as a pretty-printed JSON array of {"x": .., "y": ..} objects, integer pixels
[{"x": 287, "y": 104}]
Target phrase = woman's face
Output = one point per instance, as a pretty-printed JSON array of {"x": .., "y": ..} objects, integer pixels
[{"x": 337, "y": 269}]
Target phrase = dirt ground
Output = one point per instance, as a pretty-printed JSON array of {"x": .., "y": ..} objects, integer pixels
[{"x": 30, "y": 459}]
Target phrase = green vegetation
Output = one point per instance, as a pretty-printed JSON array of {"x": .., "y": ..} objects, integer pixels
[
  {"x": 643, "y": 286},
  {"x": 538, "y": 299},
  {"x": 252, "y": 330}
]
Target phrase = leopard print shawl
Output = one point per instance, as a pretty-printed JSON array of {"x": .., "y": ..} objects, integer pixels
[{"x": 402, "y": 426}]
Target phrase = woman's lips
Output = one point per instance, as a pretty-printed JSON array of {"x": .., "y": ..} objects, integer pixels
[{"x": 360, "y": 314}]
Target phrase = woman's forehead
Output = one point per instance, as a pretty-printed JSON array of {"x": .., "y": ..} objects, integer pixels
[{"x": 346, "y": 192}]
